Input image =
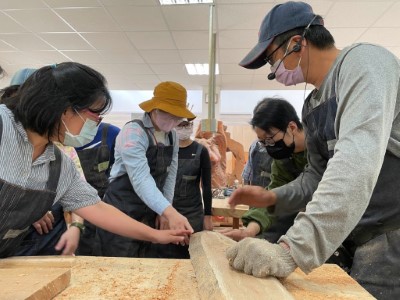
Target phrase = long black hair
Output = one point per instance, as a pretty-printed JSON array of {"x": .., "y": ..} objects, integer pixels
[
  {"x": 50, "y": 91},
  {"x": 274, "y": 112}
]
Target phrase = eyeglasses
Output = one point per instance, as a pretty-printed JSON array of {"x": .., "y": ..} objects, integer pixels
[
  {"x": 186, "y": 125},
  {"x": 269, "y": 141},
  {"x": 268, "y": 58},
  {"x": 97, "y": 117}
]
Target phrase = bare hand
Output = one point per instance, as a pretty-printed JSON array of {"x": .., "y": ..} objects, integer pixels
[
  {"x": 162, "y": 223},
  {"x": 254, "y": 196},
  {"x": 208, "y": 224},
  {"x": 177, "y": 222},
  {"x": 69, "y": 241},
  {"x": 45, "y": 224},
  {"x": 171, "y": 236},
  {"x": 236, "y": 234}
]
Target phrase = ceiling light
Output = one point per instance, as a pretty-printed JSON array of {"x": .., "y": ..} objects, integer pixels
[
  {"x": 200, "y": 69},
  {"x": 176, "y": 2}
]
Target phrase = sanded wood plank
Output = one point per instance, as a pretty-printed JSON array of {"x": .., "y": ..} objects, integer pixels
[
  {"x": 217, "y": 280},
  {"x": 33, "y": 283},
  {"x": 53, "y": 261},
  {"x": 220, "y": 207}
]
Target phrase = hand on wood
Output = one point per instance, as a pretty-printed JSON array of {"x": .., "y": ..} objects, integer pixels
[
  {"x": 208, "y": 224},
  {"x": 236, "y": 234},
  {"x": 260, "y": 258}
]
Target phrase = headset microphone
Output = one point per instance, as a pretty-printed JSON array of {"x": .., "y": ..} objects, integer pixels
[{"x": 296, "y": 48}]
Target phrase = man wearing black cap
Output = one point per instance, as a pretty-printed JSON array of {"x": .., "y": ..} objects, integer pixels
[{"x": 351, "y": 184}]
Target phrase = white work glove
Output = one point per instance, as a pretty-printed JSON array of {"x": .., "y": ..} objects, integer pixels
[{"x": 260, "y": 258}]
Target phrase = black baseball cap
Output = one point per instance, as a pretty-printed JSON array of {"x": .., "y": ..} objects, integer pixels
[{"x": 282, "y": 18}]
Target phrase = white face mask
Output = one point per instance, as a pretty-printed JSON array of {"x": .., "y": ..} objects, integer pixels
[
  {"x": 165, "y": 121},
  {"x": 184, "y": 133},
  {"x": 85, "y": 136}
]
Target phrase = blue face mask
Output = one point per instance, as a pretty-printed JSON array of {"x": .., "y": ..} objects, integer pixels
[{"x": 85, "y": 136}]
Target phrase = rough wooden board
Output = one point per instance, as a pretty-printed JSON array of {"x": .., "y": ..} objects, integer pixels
[
  {"x": 38, "y": 262},
  {"x": 220, "y": 207},
  {"x": 217, "y": 280},
  {"x": 326, "y": 282},
  {"x": 32, "y": 283},
  {"x": 131, "y": 278}
]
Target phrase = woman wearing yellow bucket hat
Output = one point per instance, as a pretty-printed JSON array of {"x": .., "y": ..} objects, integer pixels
[{"x": 142, "y": 179}]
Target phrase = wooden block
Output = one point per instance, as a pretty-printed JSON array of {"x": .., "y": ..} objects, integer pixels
[
  {"x": 220, "y": 207},
  {"x": 33, "y": 283},
  {"x": 217, "y": 280},
  {"x": 34, "y": 277}
]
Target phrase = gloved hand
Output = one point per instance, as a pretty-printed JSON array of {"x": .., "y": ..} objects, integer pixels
[{"x": 260, "y": 258}]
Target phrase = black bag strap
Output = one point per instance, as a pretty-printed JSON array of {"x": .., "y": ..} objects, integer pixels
[{"x": 104, "y": 133}]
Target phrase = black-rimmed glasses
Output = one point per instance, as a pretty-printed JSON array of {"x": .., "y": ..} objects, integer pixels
[
  {"x": 269, "y": 141},
  {"x": 268, "y": 59}
]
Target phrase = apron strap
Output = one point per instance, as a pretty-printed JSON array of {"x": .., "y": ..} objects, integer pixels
[
  {"x": 198, "y": 151},
  {"x": 1, "y": 128},
  {"x": 140, "y": 123},
  {"x": 104, "y": 134},
  {"x": 55, "y": 170}
]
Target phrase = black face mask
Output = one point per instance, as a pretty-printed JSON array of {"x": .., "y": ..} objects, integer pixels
[{"x": 280, "y": 150}]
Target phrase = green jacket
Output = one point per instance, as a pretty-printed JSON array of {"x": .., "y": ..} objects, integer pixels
[{"x": 283, "y": 171}]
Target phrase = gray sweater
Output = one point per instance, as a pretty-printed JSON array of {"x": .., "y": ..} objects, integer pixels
[{"x": 367, "y": 124}]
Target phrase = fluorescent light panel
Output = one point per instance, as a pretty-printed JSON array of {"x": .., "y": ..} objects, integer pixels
[
  {"x": 176, "y": 2},
  {"x": 200, "y": 69}
]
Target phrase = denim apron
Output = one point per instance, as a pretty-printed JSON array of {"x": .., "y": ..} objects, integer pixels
[
  {"x": 94, "y": 162},
  {"x": 121, "y": 195},
  {"x": 376, "y": 239},
  {"x": 261, "y": 164},
  {"x": 20, "y": 207},
  {"x": 187, "y": 201}
]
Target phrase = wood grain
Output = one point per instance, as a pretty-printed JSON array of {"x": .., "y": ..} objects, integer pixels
[
  {"x": 220, "y": 207},
  {"x": 217, "y": 280},
  {"x": 32, "y": 283}
]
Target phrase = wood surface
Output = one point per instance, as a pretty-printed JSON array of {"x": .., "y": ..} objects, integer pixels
[
  {"x": 220, "y": 207},
  {"x": 326, "y": 282},
  {"x": 21, "y": 280},
  {"x": 169, "y": 279},
  {"x": 214, "y": 275},
  {"x": 217, "y": 280},
  {"x": 104, "y": 278}
]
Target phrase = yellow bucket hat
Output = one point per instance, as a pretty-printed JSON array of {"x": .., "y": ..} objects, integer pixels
[{"x": 170, "y": 97}]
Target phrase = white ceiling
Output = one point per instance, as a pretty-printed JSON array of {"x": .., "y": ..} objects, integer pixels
[{"x": 138, "y": 43}]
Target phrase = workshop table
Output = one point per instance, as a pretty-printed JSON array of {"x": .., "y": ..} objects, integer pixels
[{"x": 135, "y": 278}]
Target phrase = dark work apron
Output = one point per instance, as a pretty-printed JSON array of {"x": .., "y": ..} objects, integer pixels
[
  {"x": 382, "y": 214},
  {"x": 261, "y": 164},
  {"x": 121, "y": 195},
  {"x": 20, "y": 207},
  {"x": 95, "y": 163},
  {"x": 44, "y": 244},
  {"x": 187, "y": 201}
]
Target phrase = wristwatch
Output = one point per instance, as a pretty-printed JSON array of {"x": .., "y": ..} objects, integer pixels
[{"x": 79, "y": 225}]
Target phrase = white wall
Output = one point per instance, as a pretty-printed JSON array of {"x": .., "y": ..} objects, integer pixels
[{"x": 234, "y": 107}]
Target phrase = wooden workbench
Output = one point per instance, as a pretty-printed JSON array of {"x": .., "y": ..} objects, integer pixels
[{"x": 134, "y": 278}]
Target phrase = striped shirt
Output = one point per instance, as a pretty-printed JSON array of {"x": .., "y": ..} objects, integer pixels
[
  {"x": 17, "y": 167},
  {"x": 130, "y": 158}
]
